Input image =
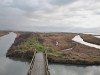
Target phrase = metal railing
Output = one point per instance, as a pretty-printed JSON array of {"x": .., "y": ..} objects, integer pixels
[{"x": 31, "y": 64}]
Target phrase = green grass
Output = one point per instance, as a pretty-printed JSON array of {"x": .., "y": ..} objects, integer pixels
[
  {"x": 38, "y": 46},
  {"x": 32, "y": 43}
]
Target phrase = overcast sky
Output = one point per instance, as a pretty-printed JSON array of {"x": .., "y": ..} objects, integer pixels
[{"x": 50, "y": 15}]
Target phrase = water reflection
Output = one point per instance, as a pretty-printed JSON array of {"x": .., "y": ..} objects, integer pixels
[
  {"x": 8, "y": 66},
  {"x": 56, "y": 69}
]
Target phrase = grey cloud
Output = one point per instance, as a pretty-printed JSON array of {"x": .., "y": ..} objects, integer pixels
[
  {"x": 42, "y": 15},
  {"x": 8, "y": 12},
  {"x": 24, "y": 5},
  {"x": 50, "y": 29},
  {"x": 61, "y": 2},
  {"x": 85, "y": 30},
  {"x": 31, "y": 5},
  {"x": 34, "y": 28},
  {"x": 34, "y": 5},
  {"x": 97, "y": 13}
]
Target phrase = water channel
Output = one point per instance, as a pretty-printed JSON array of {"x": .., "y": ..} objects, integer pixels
[{"x": 9, "y": 66}]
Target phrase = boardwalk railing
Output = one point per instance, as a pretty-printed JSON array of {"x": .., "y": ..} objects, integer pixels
[
  {"x": 46, "y": 63},
  {"x": 31, "y": 64}
]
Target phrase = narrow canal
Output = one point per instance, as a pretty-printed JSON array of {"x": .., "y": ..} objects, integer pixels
[{"x": 9, "y": 66}]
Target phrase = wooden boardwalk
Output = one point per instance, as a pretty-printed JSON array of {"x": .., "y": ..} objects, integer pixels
[{"x": 39, "y": 65}]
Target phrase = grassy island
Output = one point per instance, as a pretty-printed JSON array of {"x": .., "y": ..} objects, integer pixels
[{"x": 60, "y": 48}]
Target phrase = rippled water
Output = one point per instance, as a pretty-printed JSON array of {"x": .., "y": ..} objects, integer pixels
[
  {"x": 57, "y": 69},
  {"x": 8, "y": 66}
]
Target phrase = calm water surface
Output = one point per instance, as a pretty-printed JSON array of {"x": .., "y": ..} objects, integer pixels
[
  {"x": 57, "y": 69},
  {"x": 8, "y": 66}
]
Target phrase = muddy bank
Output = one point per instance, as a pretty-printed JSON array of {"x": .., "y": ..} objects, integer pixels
[
  {"x": 15, "y": 51},
  {"x": 59, "y": 60},
  {"x": 60, "y": 47},
  {"x": 3, "y": 33}
]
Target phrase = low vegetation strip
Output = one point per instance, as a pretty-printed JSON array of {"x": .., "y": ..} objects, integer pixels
[
  {"x": 3, "y": 33},
  {"x": 25, "y": 45},
  {"x": 91, "y": 39}
]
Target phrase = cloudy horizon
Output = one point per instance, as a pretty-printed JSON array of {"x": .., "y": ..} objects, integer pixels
[{"x": 50, "y": 15}]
